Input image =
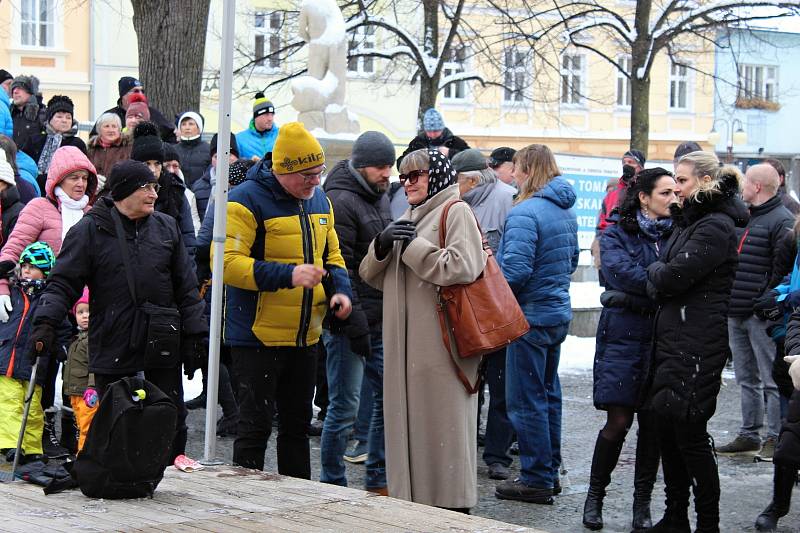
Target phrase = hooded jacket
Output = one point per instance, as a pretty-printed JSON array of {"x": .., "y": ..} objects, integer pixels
[
  {"x": 40, "y": 219},
  {"x": 252, "y": 142},
  {"x": 361, "y": 213},
  {"x": 91, "y": 257},
  {"x": 24, "y": 127},
  {"x": 491, "y": 203},
  {"x": 194, "y": 159},
  {"x": 268, "y": 233},
  {"x": 6, "y": 122},
  {"x": 539, "y": 252},
  {"x": 692, "y": 281}
]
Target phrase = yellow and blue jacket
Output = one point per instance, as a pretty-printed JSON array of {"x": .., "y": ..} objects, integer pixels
[{"x": 268, "y": 233}]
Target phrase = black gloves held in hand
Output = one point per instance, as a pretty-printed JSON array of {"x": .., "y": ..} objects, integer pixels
[
  {"x": 399, "y": 230},
  {"x": 43, "y": 340},
  {"x": 766, "y": 307},
  {"x": 194, "y": 354}
]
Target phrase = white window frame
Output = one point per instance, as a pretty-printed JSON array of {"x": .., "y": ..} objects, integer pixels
[
  {"x": 270, "y": 36},
  {"x": 573, "y": 94},
  {"x": 361, "y": 41},
  {"x": 680, "y": 77},
  {"x": 457, "y": 92},
  {"x": 758, "y": 82},
  {"x": 624, "y": 63},
  {"x": 31, "y": 24},
  {"x": 515, "y": 74}
]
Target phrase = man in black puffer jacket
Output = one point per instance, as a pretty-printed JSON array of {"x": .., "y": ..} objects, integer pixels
[
  {"x": 162, "y": 275},
  {"x": 752, "y": 348},
  {"x": 357, "y": 190}
]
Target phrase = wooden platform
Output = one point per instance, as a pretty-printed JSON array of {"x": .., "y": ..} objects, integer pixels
[{"x": 230, "y": 499}]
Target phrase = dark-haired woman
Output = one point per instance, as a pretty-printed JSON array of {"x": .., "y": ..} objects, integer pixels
[
  {"x": 624, "y": 335},
  {"x": 692, "y": 281}
]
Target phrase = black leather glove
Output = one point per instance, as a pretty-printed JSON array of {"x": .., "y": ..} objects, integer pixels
[
  {"x": 194, "y": 354},
  {"x": 614, "y": 299},
  {"x": 357, "y": 331},
  {"x": 766, "y": 307},
  {"x": 6, "y": 268},
  {"x": 43, "y": 340},
  {"x": 399, "y": 230}
]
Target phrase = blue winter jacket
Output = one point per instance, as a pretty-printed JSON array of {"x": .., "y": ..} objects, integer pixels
[
  {"x": 6, "y": 123},
  {"x": 15, "y": 342},
  {"x": 625, "y": 332},
  {"x": 251, "y": 142},
  {"x": 539, "y": 252},
  {"x": 28, "y": 170}
]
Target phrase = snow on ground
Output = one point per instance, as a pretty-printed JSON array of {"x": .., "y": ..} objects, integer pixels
[
  {"x": 585, "y": 294},
  {"x": 577, "y": 355}
]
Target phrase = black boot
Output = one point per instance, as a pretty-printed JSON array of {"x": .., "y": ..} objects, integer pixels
[
  {"x": 69, "y": 430},
  {"x": 783, "y": 482},
  {"x": 648, "y": 456},
  {"x": 50, "y": 445},
  {"x": 606, "y": 454},
  {"x": 702, "y": 464}
]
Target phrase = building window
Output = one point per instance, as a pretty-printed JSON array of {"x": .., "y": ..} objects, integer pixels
[
  {"x": 679, "y": 87},
  {"x": 268, "y": 39},
  {"x": 572, "y": 78},
  {"x": 758, "y": 82},
  {"x": 516, "y": 75},
  {"x": 456, "y": 59},
  {"x": 38, "y": 23},
  {"x": 362, "y": 42},
  {"x": 624, "y": 82}
]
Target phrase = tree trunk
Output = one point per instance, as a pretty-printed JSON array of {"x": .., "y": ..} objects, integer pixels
[
  {"x": 641, "y": 61},
  {"x": 171, "y": 39},
  {"x": 640, "y": 113},
  {"x": 429, "y": 86}
]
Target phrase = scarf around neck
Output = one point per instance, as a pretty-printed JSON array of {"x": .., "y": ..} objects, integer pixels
[
  {"x": 653, "y": 229},
  {"x": 71, "y": 210}
]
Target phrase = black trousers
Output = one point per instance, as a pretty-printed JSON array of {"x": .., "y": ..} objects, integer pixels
[
  {"x": 688, "y": 460},
  {"x": 170, "y": 381},
  {"x": 270, "y": 378}
]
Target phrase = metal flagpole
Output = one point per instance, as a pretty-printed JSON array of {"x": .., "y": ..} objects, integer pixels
[{"x": 220, "y": 220}]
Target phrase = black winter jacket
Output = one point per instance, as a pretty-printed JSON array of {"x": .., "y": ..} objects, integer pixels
[
  {"x": 10, "y": 207},
  {"x": 758, "y": 254},
  {"x": 453, "y": 143},
  {"x": 172, "y": 201},
  {"x": 195, "y": 159},
  {"x": 91, "y": 256},
  {"x": 24, "y": 128},
  {"x": 202, "y": 192},
  {"x": 692, "y": 281},
  {"x": 360, "y": 214}
]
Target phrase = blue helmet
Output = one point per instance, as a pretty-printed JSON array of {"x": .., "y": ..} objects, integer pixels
[{"x": 40, "y": 255}]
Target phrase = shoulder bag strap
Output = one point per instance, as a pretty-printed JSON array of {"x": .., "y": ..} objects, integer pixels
[{"x": 123, "y": 249}]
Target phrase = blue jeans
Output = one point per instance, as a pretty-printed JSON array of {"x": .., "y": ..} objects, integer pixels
[
  {"x": 499, "y": 431},
  {"x": 533, "y": 396},
  {"x": 345, "y": 371},
  {"x": 376, "y": 452},
  {"x": 361, "y": 429}
]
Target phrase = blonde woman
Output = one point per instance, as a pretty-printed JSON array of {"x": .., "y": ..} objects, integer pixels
[
  {"x": 692, "y": 281},
  {"x": 538, "y": 253}
]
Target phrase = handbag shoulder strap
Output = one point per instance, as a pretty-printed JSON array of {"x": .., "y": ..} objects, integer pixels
[
  {"x": 123, "y": 249},
  {"x": 443, "y": 225}
]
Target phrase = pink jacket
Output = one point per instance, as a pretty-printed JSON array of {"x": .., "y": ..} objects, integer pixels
[{"x": 40, "y": 219}]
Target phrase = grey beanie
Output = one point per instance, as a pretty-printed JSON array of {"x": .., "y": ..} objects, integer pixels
[
  {"x": 468, "y": 160},
  {"x": 372, "y": 149}
]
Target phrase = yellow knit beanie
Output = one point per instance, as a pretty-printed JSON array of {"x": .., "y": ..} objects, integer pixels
[{"x": 295, "y": 150}]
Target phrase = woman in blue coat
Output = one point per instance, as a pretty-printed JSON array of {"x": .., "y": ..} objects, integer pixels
[
  {"x": 538, "y": 253},
  {"x": 624, "y": 339}
]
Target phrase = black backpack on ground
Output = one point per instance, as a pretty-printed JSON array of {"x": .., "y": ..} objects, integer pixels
[{"x": 129, "y": 442}]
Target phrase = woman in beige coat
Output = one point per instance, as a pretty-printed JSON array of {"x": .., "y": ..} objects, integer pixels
[{"x": 429, "y": 417}]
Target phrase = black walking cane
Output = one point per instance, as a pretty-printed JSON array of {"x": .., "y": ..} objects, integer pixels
[{"x": 7, "y": 477}]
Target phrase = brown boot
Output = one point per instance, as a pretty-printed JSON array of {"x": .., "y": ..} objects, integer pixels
[{"x": 381, "y": 491}]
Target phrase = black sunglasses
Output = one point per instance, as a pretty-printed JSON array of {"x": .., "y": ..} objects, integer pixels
[{"x": 413, "y": 176}]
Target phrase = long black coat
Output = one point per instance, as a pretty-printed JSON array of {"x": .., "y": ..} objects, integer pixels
[
  {"x": 692, "y": 281},
  {"x": 10, "y": 208},
  {"x": 91, "y": 256},
  {"x": 758, "y": 245},
  {"x": 360, "y": 214}
]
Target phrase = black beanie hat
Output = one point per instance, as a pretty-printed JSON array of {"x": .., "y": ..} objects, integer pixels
[
  {"x": 59, "y": 103},
  {"x": 126, "y": 177},
  {"x": 147, "y": 145},
  {"x": 5, "y": 75},
  {"x": 126, "y": 83},
  {"x": 372, "y": 149},
  {"x": 170, "y": 153},
  {"x": 213, "y": 147}
]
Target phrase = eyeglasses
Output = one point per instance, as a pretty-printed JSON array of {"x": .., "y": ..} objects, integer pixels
[
  {"x": 412, "y": 177},
  {"x": 151, "y": 187},
  {"x": 314, "y": 175}
]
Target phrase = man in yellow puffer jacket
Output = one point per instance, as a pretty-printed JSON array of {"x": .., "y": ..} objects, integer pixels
[{"x": 280, "y": 243}]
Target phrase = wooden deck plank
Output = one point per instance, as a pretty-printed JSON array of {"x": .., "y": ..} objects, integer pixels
[{"x": 232, "y": 499}]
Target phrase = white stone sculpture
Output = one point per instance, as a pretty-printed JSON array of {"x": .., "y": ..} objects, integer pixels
[{"x": 319, "y": 96}]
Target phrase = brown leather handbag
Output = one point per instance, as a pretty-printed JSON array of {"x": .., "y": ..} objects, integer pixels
[{"x": 482, "y": 316}]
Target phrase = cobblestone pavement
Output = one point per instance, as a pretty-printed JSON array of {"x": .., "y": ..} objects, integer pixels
[{"x": 746, "y": 486}]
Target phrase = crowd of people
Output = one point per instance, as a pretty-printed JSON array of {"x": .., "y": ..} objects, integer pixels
[{"x": 331, "y": 291}]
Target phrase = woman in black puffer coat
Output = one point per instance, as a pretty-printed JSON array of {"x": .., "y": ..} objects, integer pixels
[{"x": 692, "y": 280}]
